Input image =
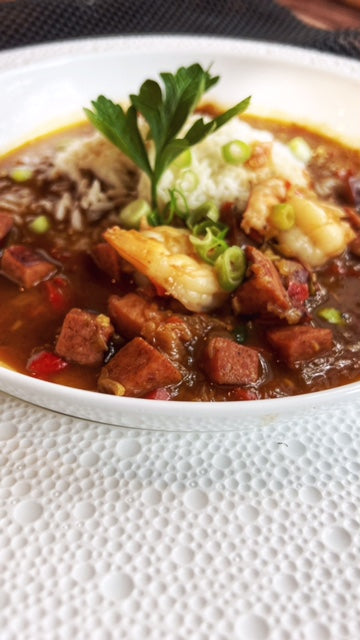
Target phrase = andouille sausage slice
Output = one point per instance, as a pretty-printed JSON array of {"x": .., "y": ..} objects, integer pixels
[
  {"x": 263, "y": 291},
  {"x": 25, "y": 266},
  {"x": 300, "y": 343},
  {"x": 226, "y": 362},
  {"x": 84, "y": 337},
  {"x": 131, "y": 312},
  {"x": 134, "y": 316},
  {"x": 137, "y": 369}
]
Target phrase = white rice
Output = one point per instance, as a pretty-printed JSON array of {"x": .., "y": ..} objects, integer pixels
[
  {"x": 216, "y": 179},
  {"x": 220, "y": 181}
]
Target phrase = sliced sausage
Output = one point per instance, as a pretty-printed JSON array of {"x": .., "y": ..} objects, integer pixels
[
  {"x": 226, "y": 362},
  {"x": 263, "y": 291},
  {"x": 169, "y": 332},
  {"x": 138, "y": 368},
  {"x": 129, "y": 314},
  {"x": 296, "y": 344},
  {"x": 84, "y": 337},
  {"x": 25, "y": 266}
]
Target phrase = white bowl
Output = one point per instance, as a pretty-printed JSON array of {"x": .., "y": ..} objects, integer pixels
[{"x": 46, "y": 86}]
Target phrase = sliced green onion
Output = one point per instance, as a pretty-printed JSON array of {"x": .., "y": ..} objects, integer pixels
[
  {"x": 40, "y": 224},
  {"x": 210, "y": 246},
  {"x": 332, "y": 315},
  {"x": 21, "y": 174},
  {"x": 219, "y": 229},
  {"x": 178, "y": 204},
  {"x": 230, "y": 267},
  {"x": 131, "y": 215},
  {"x": 236, "y": 152},
  {"x": 207, "y": 211},
  {"x": 282, "y": 216},
  {"x": 188, "y": 181},
  {"x": 300, "y": 149},
  {"x": 184, "y": 160}
]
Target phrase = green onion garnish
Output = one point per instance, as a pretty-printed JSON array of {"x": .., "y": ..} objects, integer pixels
[
  {"x": 188, "y": 180},
  {"x": 300, "y": 149},
  {"x": 165, "y": 109},
  {"x": 236, "y": 152},
  {"x": 131, "y": 215},
  {"x": 211, "y": 245},
  {"x": 40, "y": 224},
  {"x": 21, "y": 174},
  {"x": 282, "y": 216},
  {"x": 208, "y": 211},
  {"x": 332, "y": 315},
  {"x": 230, "y": 267}
]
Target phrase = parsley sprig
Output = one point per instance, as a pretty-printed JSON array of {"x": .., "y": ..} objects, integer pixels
[{"x": 166, "y": 112}]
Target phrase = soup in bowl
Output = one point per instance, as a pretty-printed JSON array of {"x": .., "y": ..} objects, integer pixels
[{"x": 176, "y": 263}]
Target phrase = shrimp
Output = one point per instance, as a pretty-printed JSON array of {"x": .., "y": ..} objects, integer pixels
[
  {"x": 263, "y": 197},
  {"x": 319, "y": 231},
  {"x": 166, "y": 256}
]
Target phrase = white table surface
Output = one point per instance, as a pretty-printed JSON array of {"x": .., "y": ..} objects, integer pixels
[{"x": 111, "y": 533}]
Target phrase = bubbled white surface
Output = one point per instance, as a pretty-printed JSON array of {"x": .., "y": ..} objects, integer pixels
[{"x": 110, "y": 533}]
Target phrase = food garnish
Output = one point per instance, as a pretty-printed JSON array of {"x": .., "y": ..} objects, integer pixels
[{"x": 166, "y": 113}]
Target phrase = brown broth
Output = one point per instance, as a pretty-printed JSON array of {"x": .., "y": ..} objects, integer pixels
[{"x": 29, "y": 323}]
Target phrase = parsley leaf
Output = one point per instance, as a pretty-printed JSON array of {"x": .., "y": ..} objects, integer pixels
[{"x": 166, "y": 112}]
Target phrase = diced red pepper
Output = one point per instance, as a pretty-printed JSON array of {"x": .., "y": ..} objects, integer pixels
[
  {"x": 159, "y": 394},
  {"x": 298, "y": 292},
  {"x": 44, "y": 364},
  {"x": 58, "y": 291}
]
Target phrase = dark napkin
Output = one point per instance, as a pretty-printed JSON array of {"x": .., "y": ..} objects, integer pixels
[{"x": 26, "y": 22}]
